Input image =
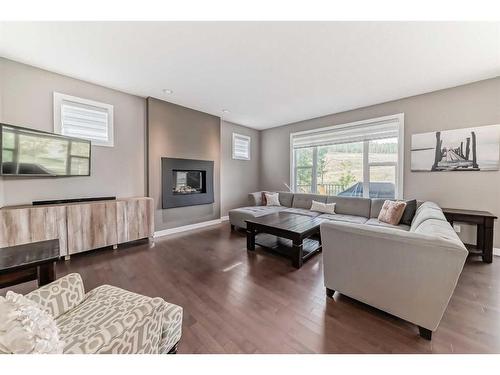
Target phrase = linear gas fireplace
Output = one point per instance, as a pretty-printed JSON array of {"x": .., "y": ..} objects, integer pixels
[
  {"x": 186, "y": 182},
  {"x": 189, "y": 182}
]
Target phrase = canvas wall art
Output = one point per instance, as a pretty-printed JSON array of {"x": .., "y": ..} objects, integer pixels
[{"x": 469, "y": 149}]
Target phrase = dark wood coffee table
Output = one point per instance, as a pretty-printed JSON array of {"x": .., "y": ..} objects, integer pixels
[
  {"x": 287, "y": 234},
  {"x": 32, "y": 261}
]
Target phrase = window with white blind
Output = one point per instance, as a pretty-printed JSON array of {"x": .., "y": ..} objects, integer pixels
[
  {"x": 363, "y": 159},
  {"x": 241, "y": 147},
  {"x": 83, "y": 118}
]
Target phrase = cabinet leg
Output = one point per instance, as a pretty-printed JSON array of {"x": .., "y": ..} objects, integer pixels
[
  {"x": 115, "y": 247},
  {"x": 46, "y": 273},
  {"x": 67, "y": 257}
]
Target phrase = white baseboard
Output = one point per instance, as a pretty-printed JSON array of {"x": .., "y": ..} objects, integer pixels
[
  {"x": 496, "y": 251},
  {"x": 185, "y": 228},
  {"x": 224, "y": 218}
]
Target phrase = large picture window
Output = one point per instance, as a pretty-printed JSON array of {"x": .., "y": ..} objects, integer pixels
[{"x": 361, "y": 159}]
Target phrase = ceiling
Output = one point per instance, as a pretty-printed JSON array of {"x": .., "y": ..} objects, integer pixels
[{"x": 265, "y": 74}]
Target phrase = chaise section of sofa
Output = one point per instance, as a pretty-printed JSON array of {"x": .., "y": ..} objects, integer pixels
[
  {"x": 349, "y": 209},
  {"x": 408, "y": 273},
  {"x": 356, "y": 210}
]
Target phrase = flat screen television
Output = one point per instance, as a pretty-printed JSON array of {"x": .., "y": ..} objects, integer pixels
[{"x": 29, "y": 152}]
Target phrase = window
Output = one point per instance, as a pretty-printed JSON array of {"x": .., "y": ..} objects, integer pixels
[
  {"x": 241, "y": 147},
  {"x": 82, "y": 118},
  {"x": 363, "y": 159}
]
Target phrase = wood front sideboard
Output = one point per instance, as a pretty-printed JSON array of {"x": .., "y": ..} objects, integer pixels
[{"x": 78, "y": 226}]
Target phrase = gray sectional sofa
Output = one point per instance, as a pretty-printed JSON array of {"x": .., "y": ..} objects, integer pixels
[
  {"x": 348, "y": 209},
  {"x": 409, "y": 271}
]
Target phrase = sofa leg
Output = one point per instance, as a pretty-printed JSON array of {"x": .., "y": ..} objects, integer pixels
[
  {"x": 425, "y": 333},
  {"x": 232, "y": 228},
  {"x": 330, "y": 292}
]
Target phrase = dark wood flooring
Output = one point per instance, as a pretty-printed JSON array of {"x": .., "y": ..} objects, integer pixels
[{"x": 240, "y": 302}]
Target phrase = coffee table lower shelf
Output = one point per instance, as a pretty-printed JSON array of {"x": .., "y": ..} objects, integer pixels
[{"x": 284, "y": 246}]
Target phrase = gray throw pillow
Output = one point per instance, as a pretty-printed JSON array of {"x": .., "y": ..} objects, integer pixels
[{"x": 409, "y": 212}]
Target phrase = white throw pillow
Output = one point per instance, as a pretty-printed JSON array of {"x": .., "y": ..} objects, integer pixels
[
  {"x": 25, "y": 328},
  {"x": 272, "y": 199},
  {"x": 325, "y": 208}
]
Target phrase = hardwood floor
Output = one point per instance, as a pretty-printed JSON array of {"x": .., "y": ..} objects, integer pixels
[{"x": 253, "y": 302}]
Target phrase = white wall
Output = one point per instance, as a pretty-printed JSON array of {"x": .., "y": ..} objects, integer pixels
[
  {"x": 27, "y": 100},
  {"x": 238, "y": 177},
  {"x": 464, "y": 106}
]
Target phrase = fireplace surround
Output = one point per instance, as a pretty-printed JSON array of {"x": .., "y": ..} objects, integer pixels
[{"x": 186, "y": 182}]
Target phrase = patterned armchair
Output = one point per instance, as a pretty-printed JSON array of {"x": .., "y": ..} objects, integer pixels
[{"x": 109, "y": 319}]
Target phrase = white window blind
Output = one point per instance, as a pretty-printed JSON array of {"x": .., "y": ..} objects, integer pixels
[
  {"x": 365, "y": 155},
  {"x": 347, "y": 134},
  {"x": 241, "y": 147},
  {"x": 82, "y": 118}
]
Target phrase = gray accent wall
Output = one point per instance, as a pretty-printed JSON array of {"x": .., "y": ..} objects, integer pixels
[
  {"x": 180, "y": 132},
  {"x": 27, "y": 100},
  {"x": 238, "y": 177},
  {"x": 464, "y": 106}
]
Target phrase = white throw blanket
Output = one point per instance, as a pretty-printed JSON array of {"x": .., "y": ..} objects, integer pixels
[{"x": 25, "y": 328}]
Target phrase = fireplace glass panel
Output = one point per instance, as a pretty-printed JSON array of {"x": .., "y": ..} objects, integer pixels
[{"x": 189, "y": 182}]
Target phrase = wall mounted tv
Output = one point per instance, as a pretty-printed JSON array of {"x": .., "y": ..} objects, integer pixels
[{"x": 29, "y": 152}]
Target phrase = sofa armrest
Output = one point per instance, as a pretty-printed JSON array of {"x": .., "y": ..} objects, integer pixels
[
  {"x": 410, "y": 275},
  {"x": 139, "y": 332},
  {"x": 171, "y": 327},
  {"x": 59, "y": 296}
]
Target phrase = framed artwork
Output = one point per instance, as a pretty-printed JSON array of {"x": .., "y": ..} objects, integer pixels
[{"x": 469, "y": 149}]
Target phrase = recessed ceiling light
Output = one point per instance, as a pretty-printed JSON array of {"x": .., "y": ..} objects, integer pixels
[
  {"x": 225, "y": 111},
  {"x": 167, "y": 91}
]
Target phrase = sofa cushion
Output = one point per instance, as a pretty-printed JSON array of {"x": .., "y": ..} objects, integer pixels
[
  {"x": 408, "y": 214},
  {"x": 238, "y": 216},
  {"x": 351, "y": 205},
  {"x": 346, "y": 218},
  {"x": 59, "y": 296},
  {"x": 113, "y": 320},
  {"x": 324, "y": 208},
  {"x": 255, "y": 199},
  {"x": 439, "y": 228},
  {"x": 424, "y": 206},
  {"x": 286, "y": 198},
  {"x": 301, "y": 200},
  {"x": 271, "y": 199},
  {"x": 378, "y": 223},
  {"x": 301, "y": 211},
  {"x": 426, "y": 212},
  {"x": 392, "y": 211},
  {"x": 376, "y": 206}
]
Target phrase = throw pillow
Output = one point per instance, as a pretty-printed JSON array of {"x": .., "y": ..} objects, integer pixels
[
  {"x": 325, "y": 208},
  {"x": 272, "y": 199},
  {"x": 264, "y": 200},
  {"x": 409, "y": 212},
  {"x": 25, "y": 328},
  {"x": 391, "y": 212}
]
